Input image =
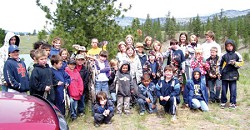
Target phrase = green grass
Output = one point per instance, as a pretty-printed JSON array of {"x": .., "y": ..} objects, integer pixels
[{"x": 26, "y": 44}]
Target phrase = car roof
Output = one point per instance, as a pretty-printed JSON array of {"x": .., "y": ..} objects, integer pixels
[{"x": 24, "y": 110}]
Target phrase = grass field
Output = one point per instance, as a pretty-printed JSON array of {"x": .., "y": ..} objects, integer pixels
[{"x": 26, "y": 43}]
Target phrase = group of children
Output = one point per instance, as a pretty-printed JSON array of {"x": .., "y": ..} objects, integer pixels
[{"x": 140, "y": 74}]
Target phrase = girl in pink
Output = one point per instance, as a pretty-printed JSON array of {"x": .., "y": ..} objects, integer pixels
[{"x": 199, "y": 62}]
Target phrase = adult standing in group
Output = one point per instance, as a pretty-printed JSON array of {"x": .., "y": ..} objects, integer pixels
[
  {"x": 210, "y": 42},
  {"x": 95, "y": 50},
  {"x": 10, "y": 39}
]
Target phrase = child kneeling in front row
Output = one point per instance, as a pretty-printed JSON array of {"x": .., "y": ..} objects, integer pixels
[
  {"x": 168, "y": 91},
  {"x": 103, "y": 109},
  {"x": 195, "y": 93}
]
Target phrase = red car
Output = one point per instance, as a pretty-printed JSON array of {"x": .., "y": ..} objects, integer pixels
[{"x": 21, "y": 111}]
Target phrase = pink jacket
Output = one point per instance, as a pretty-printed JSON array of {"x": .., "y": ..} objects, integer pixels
[{"x": 76, "y": 86}]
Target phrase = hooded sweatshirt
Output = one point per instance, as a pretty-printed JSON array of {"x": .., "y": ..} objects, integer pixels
[
  {"x": 76, "y": 86},
  {"x": 16, "y": 75},
  {"x": 227, "y": 70},
  {"x": 4, "y": 51},
  {"x": 125, "y": 81},
  {"x": 195, "y": 89}
]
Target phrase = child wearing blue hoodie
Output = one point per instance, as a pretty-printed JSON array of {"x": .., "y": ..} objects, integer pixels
[
  {"x": 168, "y": 91},
  {"x": 230, "y": 62},
  {"x": 60, "y": 75},
  {"x": 195, "y": 93}
]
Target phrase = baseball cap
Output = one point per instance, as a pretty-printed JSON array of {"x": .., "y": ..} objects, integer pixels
[
  {"x": 80, "y": 56},
  {"x": 138, "y": 44},
  {"x": 72, "y": 61},
  {"x": 13, "y": 48}
]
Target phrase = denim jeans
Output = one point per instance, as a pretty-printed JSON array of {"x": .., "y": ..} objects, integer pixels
[
  {"x": 214, "y": 93},
  {"x": 81, "y": 104},
  {"x": 73, "y": 107},
  {"x": 143, "y": 104},
  {"x": 233, "y": 93},
  {"x": 113, "y": 96},
  {"x": 102, "y": 86},
  {"x": 199, "y": 104}
]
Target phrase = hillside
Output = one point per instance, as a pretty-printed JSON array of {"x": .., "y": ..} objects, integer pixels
[{"x": 126, "y": 21}]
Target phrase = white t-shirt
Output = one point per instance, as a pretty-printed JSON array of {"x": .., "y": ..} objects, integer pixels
[{"x": 207, "y": 46}]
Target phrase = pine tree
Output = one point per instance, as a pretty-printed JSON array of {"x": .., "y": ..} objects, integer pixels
[
  {"x": 148, "y": 26},
  {"x": 2, "y": 35},
  {"x": 78, "y": 21},
  {"x": 216, "y": 28}
]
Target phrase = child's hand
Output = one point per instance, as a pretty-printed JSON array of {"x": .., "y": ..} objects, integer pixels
[
  {"x": 107, "y": 112},
  {"x": 148, "y": 100},
  {"x": 161, "y": 98},
  {"x": 60, "y": 83},
  {"x": 47, "y": 88},
  {"x": 166, "y": 98},
  {"x": 66, "y": 85}
]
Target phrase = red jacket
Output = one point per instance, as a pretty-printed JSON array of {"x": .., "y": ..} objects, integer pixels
[{"x": 76, "y": 86}]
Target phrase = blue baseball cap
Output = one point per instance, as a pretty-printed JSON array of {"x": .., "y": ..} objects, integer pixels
[{"x": 13, "y": 48}]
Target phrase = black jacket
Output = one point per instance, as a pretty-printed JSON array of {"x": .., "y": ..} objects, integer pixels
[
  {"x": 40, "y": 78},
  {"x": 230, "y": 71}
]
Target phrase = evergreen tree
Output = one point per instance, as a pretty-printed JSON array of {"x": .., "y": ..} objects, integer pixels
[
  {"x": 216, "y": 28},
  {"x": 136, "y": 29},
  {"x": 148, "y": 26},
  {"x": 42, "y": 35},
  {"x": 78, "y": 21},
  {"x": 197, "y": 25},
  {"x": 208, "y": 25},
  {"x": 2, "y": 35},
  {"x": 157, "y": 30},
  {"x": 170, "y": 26}
]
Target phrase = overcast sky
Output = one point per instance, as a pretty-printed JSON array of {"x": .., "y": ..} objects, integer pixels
[{"x": 25, "y": 16}]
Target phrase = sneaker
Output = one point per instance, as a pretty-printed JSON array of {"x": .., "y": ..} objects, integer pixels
[
  {"x": 81, "y": 114},
  {"x": 73, "y": 118},
  {"x": 222, "y": 105},
  {"x": 142, "y": 113},
  {"x": 97, "y": 124},
  {"x": 232, "y": 106},
  {"x": 108, "y": 122},
  {"x": 173, "y": 119},
  {"x": 217, "y": 100}
]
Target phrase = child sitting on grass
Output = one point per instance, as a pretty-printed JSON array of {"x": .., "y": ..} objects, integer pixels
[
  {"x": 103, "y": 109},
  {"x": 195, "y": 93}
]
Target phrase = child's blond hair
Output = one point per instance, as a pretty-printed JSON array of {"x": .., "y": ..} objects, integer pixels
[
  {"x": 113, "y": 62},
  {"x": 40, "y": 53}
]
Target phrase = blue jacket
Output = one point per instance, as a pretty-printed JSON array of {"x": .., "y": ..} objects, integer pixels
[
  {"x": 108, "y": 106},
  {"x": 170, "y": 88},
  {"x": 53, "y": 51},
  {"x": 147, "y": 92},
  {"x": 16, "y": 76},
  {"x": 189, "y": 91}
]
